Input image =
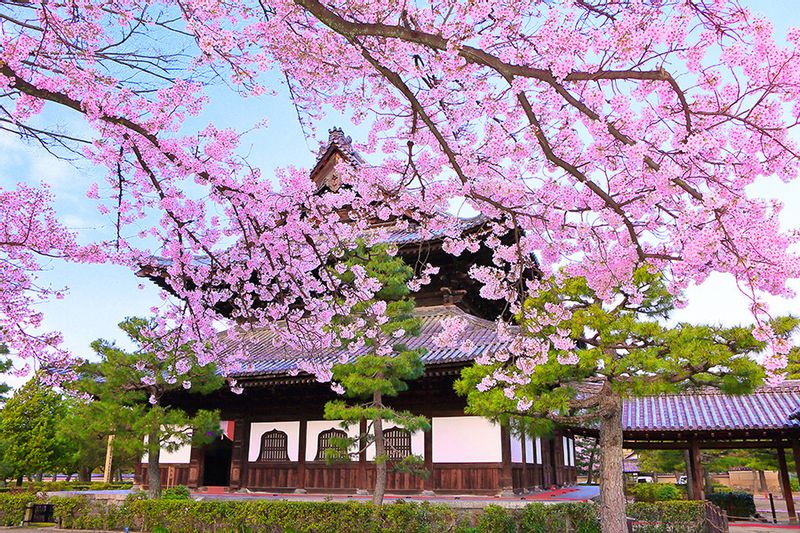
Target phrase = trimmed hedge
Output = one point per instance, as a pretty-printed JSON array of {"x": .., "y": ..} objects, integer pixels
[
  {"x": 668, "y": 517},
  {"x": 177, "y": 516},
  {"x": 656, "y": 492},
  {"x": 737, "y": 504},
  {"x": 12, "y": 507},
  {"x": 55, "y": 486}
]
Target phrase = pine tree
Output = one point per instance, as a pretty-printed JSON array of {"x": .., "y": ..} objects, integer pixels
[
  {"x": 28, "y": 429},
  {"x": 386, "y": 367},
  {"x": 129, "y": 390},
  {"x": 622, "y": 350}
]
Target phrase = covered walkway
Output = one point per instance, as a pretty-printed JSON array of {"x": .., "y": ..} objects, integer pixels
[{"x": 709, "y": 420}]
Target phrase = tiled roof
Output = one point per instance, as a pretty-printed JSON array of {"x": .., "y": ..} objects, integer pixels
[
  {"x": 265, "y": 357},
  {"x": 412, "y": 234},
  {"x": 765, "y": 408},
  {"x": 338, "y": 141}
]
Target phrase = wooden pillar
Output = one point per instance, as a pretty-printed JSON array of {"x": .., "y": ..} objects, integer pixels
[
  {"x": 506, "y": 475},
  {"x": 553, "y": 447},
  {"x": 796, "y": 454},
  {"x": 525, "y": 482},
  {"x": 238, "y": 453},
  {"x": 300, "y": 483},
  {"x": 429, "y": 483},
  {"x": 195, "y": 467},
  {"x": 786, "y": 488},
  {"x": 246, "y": 427},
  {"x": 697, "y": 470}
]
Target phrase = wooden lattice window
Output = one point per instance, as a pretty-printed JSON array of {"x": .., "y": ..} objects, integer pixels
[
  {"x": 274, "y": 446},
  {"x": 398, "y": 443},
  {"x": 324, "y": 442}
]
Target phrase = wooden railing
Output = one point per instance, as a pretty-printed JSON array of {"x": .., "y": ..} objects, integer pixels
[{"x": 716, "y": 519}]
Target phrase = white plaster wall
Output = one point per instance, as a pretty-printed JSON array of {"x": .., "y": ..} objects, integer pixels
[
  {"x": 315, "y": 427},
  {"x": 257, "y": 430},
  {"x": 417, "y": 443},
  {"x": 516, "y": 450},
  {"x": 571, "y": 452},
  {"x": 565, "y": 450},
  {"x": 462, "y": 439},
  {"x": 183, "y": 455},
  {"x": 530, "y": 450},
  {"x": 538, "y": 450}
]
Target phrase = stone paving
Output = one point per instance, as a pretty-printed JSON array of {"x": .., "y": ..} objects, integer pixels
[{"x": 572, "y": 494}]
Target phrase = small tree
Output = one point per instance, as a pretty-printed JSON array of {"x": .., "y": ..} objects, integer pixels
[
  {"x": 129, "y": 388},
  {"x": 28, "y": 429},
  {"x": 83, "y": 435},
  {"x": 386, "y": 367},
  {"x": 5, "y": 366},
  {"x": 579, "y": 369},
  {"x": 586, "y": 454}
]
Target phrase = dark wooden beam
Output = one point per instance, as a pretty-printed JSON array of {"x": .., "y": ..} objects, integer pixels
[
  {"x": 300, "y": 484},
  {"x": 786, "y": 487},
  {"x": 524, "y": 452}
]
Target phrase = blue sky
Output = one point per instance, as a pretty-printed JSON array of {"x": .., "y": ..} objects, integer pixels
[{"x": 100, "y": 296}]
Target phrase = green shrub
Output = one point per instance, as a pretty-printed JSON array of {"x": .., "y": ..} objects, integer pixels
[
  {"x": 12, "y": 507},
  {"x": 177, "y": 516},
  {"x": 57, "y": 486},
  {"x": 655, "y": 492},
  {"x": 737, "y": 504},
  {"x": 668, "y": 517},
  {"x": 573, "y": 517},
  {"x": 497, "y": 519},
  {"x": 177, "y": 493}
]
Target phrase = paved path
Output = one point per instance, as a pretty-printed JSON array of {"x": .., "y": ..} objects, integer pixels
[
  {"x": 572, "y": 494},
  {"x": 763, "y": 528}
]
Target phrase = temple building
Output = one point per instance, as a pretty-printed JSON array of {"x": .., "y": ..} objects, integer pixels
[{"x": 275, "y": 435}]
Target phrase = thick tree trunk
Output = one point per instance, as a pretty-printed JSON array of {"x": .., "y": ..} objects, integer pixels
[
  {"x": 762, "y": 482},
  {"x": 612, "y": 489},
  {"x": 69, "y": 477},
  {"x": 707, "y": 481},
  {"x": 380, "y": 455},
  {"x": 19, "y": 481},
  {"x": 153, "y": 456},
  {"x": 85, "y": 474}
]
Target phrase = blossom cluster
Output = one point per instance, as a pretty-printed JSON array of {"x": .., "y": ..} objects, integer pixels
[{"x": 593, "y": 138}]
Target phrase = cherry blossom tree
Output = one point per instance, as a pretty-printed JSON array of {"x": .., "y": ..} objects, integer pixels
[
  {"x": 30, "y": 232},
  {"x": 595, "y": 135}
]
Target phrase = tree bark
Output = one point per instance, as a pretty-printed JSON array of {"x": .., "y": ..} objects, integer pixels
[
  {"x": 19, "y": 481},
  {"x": 380, "y": 453},
  {"x": 39, "y": 477},
  {"x": 85, "y": 474},
  {"x": 707, "y": 481},
  {"x": 153, "y": 456},
  {"x": 612, "y": 489},
  {"x": 762, "y": 482}
]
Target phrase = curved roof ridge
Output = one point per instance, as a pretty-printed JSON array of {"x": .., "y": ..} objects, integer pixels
[{"x": 785, "y": 386}]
